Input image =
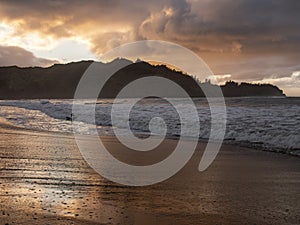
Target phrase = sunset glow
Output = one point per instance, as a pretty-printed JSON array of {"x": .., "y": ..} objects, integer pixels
[{"x": 252, "y": 47}]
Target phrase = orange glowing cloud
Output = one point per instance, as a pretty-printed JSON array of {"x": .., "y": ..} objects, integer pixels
[{"x": 249, "y": 39}]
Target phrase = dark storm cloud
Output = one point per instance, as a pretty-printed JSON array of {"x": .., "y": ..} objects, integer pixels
[
  {"x": 257, "y": 25},
  {"x": 11, "y": 56},
  {"x": 248, "y": 38}
]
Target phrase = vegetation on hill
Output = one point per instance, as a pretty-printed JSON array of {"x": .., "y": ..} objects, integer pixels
[{"x": 60, "y": 81}]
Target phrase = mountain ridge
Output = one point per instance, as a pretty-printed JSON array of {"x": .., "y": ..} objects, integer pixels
[{"x": 60, "y": 81}]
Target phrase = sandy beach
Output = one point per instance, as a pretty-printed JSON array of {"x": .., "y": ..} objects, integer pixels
[
  {"x": 44, "y": 180},
  {"x": 168, "y": 112}
]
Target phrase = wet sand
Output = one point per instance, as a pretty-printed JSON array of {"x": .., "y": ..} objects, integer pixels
[{"x": 44, "y": 180}]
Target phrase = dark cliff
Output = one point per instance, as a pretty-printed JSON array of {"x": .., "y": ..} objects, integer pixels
[{"x": 60, "y": 81}]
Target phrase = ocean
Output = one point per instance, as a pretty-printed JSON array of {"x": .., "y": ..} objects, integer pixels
[{"x": 263, "y": 122}]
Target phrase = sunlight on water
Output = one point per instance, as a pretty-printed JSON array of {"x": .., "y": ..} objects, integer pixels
[{"x": 260, "y": 122}]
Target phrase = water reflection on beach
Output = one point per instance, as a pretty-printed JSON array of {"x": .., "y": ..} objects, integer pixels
[{"x": 44, "y": 180}]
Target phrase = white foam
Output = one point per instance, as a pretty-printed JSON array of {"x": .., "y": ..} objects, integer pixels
[{"x": 269, "y": 123}]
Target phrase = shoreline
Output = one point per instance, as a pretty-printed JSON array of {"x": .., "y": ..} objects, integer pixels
[
  {"x": 249, "y": 145},
  {"x": 45, "y": 180}
]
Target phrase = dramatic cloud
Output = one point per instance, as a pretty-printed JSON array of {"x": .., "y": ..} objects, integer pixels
[
  {"x": 290, "y": 83},
  {"x": 11, "y": 56},
  {"x": 249, "y": 39},
  {"x": 222, "y": 26}
]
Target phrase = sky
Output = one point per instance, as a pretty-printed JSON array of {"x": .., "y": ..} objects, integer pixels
[{"x": 243, "y": 40}]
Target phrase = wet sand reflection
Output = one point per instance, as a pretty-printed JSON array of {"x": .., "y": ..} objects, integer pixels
[{"x": 44, "y": 180}]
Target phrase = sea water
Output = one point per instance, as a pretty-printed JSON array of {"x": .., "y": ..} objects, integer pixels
[{"x": 262, "y": 122}]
